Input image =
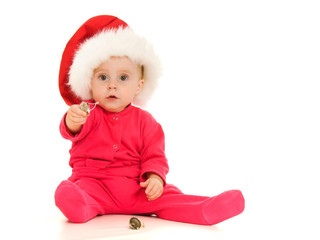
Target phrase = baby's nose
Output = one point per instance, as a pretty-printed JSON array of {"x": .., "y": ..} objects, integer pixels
[{"x": 112, "y": 85}]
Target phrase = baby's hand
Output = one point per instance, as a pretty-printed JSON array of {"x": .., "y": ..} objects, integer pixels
[
  {"x": 154, "y": 186},
  {"x": 75, "y": 118}
]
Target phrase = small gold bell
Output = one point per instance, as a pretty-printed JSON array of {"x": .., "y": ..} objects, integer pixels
[
  {"x": 85, "y": 107},
  {"x": 135, "y": 223}
]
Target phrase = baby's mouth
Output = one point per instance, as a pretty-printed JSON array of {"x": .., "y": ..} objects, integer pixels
[{"x": 112, "y": 97}]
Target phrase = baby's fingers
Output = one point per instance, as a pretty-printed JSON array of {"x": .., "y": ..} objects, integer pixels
[
  {"x": 155, "y": 195},
  {"x": 77, "y": 112},
  {"x": 151, "y": 188},
  {"x": 154, "y": 190},
  {"x": 144, "y": 184}
]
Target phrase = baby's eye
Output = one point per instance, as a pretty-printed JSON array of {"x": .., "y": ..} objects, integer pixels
[
  {"x": 103, "y": 77},
  {"x": 123, "y": 77}
]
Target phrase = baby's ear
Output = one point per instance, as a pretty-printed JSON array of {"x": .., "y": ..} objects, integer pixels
[{"x": 140, "y": 86}]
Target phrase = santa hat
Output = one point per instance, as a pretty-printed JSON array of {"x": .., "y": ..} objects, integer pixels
[{"x": 97, "y": 40}]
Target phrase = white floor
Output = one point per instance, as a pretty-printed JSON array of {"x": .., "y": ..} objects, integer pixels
[
  {"x": 116, "y": 227},
  {"x": 259, "y": 225}
]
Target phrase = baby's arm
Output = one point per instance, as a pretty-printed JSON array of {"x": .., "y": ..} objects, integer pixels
[
  {"x": 153, "y": 185},
  {"x": 75, "y": 119}
]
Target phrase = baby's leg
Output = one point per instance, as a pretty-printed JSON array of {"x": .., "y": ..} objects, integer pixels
[
  {"x": 75, "y": 203},
  {"x": 175, "y": 206}
]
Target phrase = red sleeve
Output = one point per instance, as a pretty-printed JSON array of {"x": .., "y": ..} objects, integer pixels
[{"x": 153, "y": 157}]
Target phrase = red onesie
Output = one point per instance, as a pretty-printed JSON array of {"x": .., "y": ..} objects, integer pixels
[{"x": 110, "y": 156}]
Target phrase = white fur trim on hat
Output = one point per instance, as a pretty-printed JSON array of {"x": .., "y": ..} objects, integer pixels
[{"x": 117, "y": 42}]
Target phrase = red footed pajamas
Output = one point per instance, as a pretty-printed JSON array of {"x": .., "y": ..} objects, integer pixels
[{"x": 111, "y": 155}]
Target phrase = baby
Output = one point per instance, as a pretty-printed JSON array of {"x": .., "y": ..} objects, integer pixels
[{"x": 117, "y": 154}]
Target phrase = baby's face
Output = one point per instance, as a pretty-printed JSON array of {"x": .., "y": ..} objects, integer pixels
[{"x": 115, "y": 83}]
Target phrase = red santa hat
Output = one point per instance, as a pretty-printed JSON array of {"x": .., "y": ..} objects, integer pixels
[{"x": 97, "y": 40}]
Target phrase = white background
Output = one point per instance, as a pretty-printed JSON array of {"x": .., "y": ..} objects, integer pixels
[{"x": 238, "y": 101}]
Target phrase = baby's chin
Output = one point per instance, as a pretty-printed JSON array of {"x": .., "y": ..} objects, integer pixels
[{"x": 113, "y": 108}]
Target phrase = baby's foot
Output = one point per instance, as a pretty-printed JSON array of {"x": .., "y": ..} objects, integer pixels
[{"x": 223, "y": 206}]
